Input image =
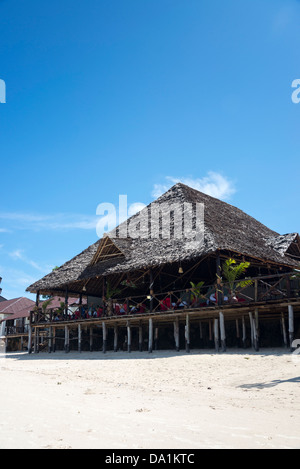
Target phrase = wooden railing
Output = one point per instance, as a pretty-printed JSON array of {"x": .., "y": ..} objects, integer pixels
[
  {"x": 15, "y": 330},
  {"x": 259, "y": 289}
]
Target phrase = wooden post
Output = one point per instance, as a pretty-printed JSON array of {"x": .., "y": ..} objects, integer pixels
[
  {"x": 53, "y": 340},
  {"x": 151, "y": 291},
  {"x": 252, "y": 329},
  {"x": 237, "y": 327},
  {"x": 115, "y": 338},
  {"x": 50, "y": 340},
  {"x": 36, "y": 340},
  {"x": 222, "y": 331},
  {"x": 128, "y": 337},
  {"x": 30, "y": 338},
  {"x": 216, "y": 334},
  {"x": 291, "y": 325},
  {"x": 79, "y": 338},
  {"x": 284, "y": 330},
  {"x": 67, "y": 339},
  {"x": 104, "y": 336},
  {"x": 187, "y": 333},
  {"x": 219, "y": 286},
  {"x": 210, "y": 329},
  {"x": 244, "y": 331},
  {"x": 200, "y": 331},
  {"x": 255, "y": 290},
  {"x": 91, "y": 338},
  {"x": 155, "y": 338},
  {"x": 256, "y": 330},
  {"x": 176, "y": 333},
  {"x": 150, "y": 344},
  {"x": 66, "y": 304},
  {"x": 140, "y": 337}
]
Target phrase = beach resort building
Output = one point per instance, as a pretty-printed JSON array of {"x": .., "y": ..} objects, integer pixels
[{"x": 187, "y": 271}]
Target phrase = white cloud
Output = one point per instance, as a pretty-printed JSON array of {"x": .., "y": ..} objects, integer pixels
[
  {"x": 135, "y": 208},
  {"x": 56, "y": 222},
  {"x": 214, "y": 184},
  {"x": 18, "y": 254}
]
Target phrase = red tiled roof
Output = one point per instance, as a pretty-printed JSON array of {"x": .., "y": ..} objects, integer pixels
[{"x": 16, "y": 306}]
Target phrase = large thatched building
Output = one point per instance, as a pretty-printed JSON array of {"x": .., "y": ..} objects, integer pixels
[{"x": 193, "y": 235}]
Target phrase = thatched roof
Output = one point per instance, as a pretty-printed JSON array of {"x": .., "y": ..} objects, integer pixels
[{"x": 226, "y": 228}]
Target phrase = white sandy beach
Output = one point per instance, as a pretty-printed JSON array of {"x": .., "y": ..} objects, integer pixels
[{"x": 163, "y": 400}]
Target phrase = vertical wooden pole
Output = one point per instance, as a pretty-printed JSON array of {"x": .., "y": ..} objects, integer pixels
[
  {"x": 237, "y": 327},
  {"x": 284, "y": 330},
  {"x": 156, "y": 338},
  {"x": 187, "y": 333},
  {"x": 67, "y": 344},
  {"x": 151, "y": 291},
  {"x": 200, "y": 331},
  {"x": 216, "y": 334},
  {"x": 91, "y": 338},
  {"x": 219, "y": 273},
  {"x": 291, "y": 325},
  {"x": 255, "y": 290},
  {"x": 252, "y": 329},
  {"x": 115, "y": 338},
  {"x": 104, "y": 336},
  {"x": 30, "y": 338},
  {"x": 128, "y": 337},
  {"x": 50, "y": 340},
  {"x": 140, "y": 337},
  {"x": 150, "y": 343},
  {"x": 66, "y": 304},
  {"x": 79, "y": 337},
  {"x": 244, "y": 331},
  {"x": 53, "y": 340},
  {"x": 36, "y": 340},
  {"x": 256, "y": 330},
  {"x": 176, "y": 333},
  {"x": 66, "y": 339},
  {"x": 210, "y": 329},
  {"x": 222, "y": 331}
]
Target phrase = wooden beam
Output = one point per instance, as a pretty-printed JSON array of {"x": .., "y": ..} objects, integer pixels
[
  {"x": 140, "y": 337},
  {"x": 176, "y": 333},
  {"x": 50, "y": 340},
  {"x": 128, "y": 337},
  {"x": 91, "y": 338},
  {"x": 156, "y": 338},
  {"x": 216, "y": 334},
  {"x": 291, "y": 325},
  {"x": 104, "y": 336},
  {"x": 30, "y": 338},
  {"x": 67, "y": 339},
  {"x": 222, "y": 331},
  {"x": 187, "y": 333},
  {"x": 115, "y": 338},
  {"x": 79, "y": 338},
  {"x": 244, "y": 331},
  {"x": 283, "y": 330},
  {"x": 150, "y": 343},
  {"x": 53, "y": 340}
]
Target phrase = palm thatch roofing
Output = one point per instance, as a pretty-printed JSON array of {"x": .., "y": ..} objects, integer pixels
[{"x": 226, "y": 228}]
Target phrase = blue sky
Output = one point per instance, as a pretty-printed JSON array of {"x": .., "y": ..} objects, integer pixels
[{"x": 109, "y": 97}]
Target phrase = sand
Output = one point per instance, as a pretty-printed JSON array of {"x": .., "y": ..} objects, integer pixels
[{"x": 163, "y": 400}]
